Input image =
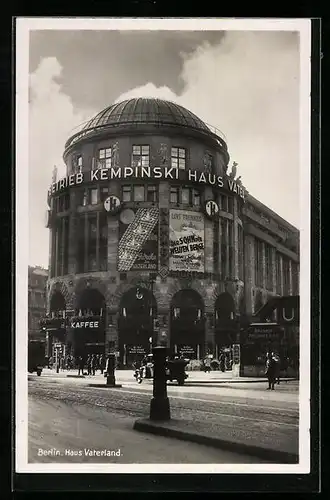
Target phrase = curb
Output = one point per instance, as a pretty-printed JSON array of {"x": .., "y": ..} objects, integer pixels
[
  {"x": 275, "y": 456},
  {"x": 105, "y": 386},
  {"x": 76, "y": 376}
]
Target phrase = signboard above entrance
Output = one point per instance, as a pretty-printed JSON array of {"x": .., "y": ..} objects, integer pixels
[{"x": 160, "y": 173}]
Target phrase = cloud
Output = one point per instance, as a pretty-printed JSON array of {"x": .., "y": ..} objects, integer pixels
[
  {"x": 248, "y": 87},
  {"x": 52, "y": 119}
]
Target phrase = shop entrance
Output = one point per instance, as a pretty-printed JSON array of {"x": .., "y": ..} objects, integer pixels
[
  {"x": 137, "y": 311},
  {"x": 88, "y": 325},
  {"x": 187, "y": 335}
]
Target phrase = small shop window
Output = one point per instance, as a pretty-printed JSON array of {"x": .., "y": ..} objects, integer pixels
[
  {"x": 93, "y": 196},
  {"x": 126, "y": 193},
  {"x": 185, "y": 196},
  {"x": 174, "y": 195},
  {"x": 152, "y": 193},
  {"x": 196, "y": 197},
  {"x": 138, "y": 193},
  {"x": 104, "y": 193}
]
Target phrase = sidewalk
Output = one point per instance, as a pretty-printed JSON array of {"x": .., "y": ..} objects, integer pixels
[
  {"x": 273, "y": 442},
  {"x": 194, "y": 377}
]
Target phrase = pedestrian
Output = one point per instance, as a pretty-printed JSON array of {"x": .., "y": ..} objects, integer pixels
[
  {"x": 89, "y": 364},
  {"x": 81, "y": 365},
  {"x": 270, "y": 370},
  {"x": 222, "y": 362},
  {"x": 101, "y": 361},
  {"x": 93, "y": 364}
]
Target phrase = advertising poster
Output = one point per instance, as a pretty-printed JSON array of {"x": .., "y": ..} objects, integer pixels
[
  {"x": 186, "y": 241},
  {"x": 138, "y": 240}
]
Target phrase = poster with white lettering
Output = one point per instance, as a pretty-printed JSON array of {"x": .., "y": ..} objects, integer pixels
[
  {"x": 138, "y": 241},
  {"x": 186, "y": 241}
]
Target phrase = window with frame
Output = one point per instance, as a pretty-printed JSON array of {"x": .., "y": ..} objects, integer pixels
[
  {"x": 93, "y": 196},
  {"x": 140, "y": 156},
  {"x": 295, "y": 278},
  {"x": 258, "y": 267},
  {"x": 174, "y": 194},
  {"x": 278, "y": 274},
  {"x": 126, "y": 192},
  {"x": 77, "y": 164},
  {"x": 138, "y": 191},
  {"x": 223, "y": 201},
  {"x": 269, "y": 266},
  {"x": 152, "y": 193},
  {"x": 178, "y": 158},
  {"x": 185, "y": 195},
  {"x": 104, "y": 193},
  {"x": 196, "y": 197},
  {"x": 105, "y": 157}
]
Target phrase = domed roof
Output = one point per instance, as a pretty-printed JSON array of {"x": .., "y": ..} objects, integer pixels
[
  {"x": 147, "y": 110},
  {"x": 144, "y": 111}
]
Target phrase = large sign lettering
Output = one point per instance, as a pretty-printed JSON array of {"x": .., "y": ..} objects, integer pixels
[
  {"x": 161, "y": 173},
  {"x": 186, "y": 241},
  {"x": 84, "y": 324}
]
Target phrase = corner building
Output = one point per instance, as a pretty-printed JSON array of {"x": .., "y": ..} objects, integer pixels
[{"x": 152, "y": 241}]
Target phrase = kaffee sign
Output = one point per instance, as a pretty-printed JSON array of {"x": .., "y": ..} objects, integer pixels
[{"x": 161, "y": 173}]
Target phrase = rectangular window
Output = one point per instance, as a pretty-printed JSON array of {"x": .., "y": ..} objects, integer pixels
[
  {"x": 127, "y": 193},
  {"x": 278, "y": 274},
  {"x": 224, "y": 243},
  {"x": 258, "y": 274},
  {"x": 178, "y": 158},
  {"x": 140, "y": 156},
  {"x": 286, "y": 282},
  {"x": 66, "y": 246},
  {"x": 269, "y": 266},
  {"x": 67, "y": 202},
  {"x": 104, "y": 193},
  {"x": 105, "y": 157},
  {"x": 93, "y": 196},
  {"x": 81, "y": 244},
  {"x": 185, "y": 196},
  {"x": 92, "y": 243},
  {"x": 77, "y": 164},
  {"x": 152, "y": 193},
  {"x": 138, "y": 193},
  {"x": 230, "y": 205},
  {"x": 295, "y": 278},
  {"x": 174, "y": 194},
  {"x": 196, "y": 197},
  {"x": 223, "y": 203},
  {"x": 103, "y": 244},
  {"x": 240, "y": 253},
  {"x": 85, "y": 198}
]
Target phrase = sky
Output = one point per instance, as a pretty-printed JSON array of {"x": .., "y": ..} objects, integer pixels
[{"x": 245, "y": 83}]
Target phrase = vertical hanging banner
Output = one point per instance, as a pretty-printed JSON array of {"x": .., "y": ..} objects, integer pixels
[
  {"x": 138, "y": 240},
  {"x": 186, "y": 241}
]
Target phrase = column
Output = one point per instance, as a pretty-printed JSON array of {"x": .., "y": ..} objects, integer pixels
[
  {"x": 56, "y": 262},
  {"x": 73, "y": 236},
  {"x": 85, "y": 242},
  {"x": 263, "y": 265},
  {"x": 208, "y": 246},
  {"x": 290, "y": 277},
  {"x": 98, "y": 241},
  {"x": 235, "y": 242},
  {"x": 274, "y": 277},
  {"x": 227, "y": 248},
  {"x": 281, "y": 275},
  {"x": 249, "y": 275},
  {"x": 62, "y": 245},
  {"x": 209, "y": 329}
]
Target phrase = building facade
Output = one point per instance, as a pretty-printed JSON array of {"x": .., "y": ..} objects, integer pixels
[
  {"x": 37, "y": 301},
  {"x": 153, "y": 240}
]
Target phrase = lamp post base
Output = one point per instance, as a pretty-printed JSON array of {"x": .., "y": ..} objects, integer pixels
[
  {"x": 111, "y": 380},
  {"x": 160, "y": 409}
]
